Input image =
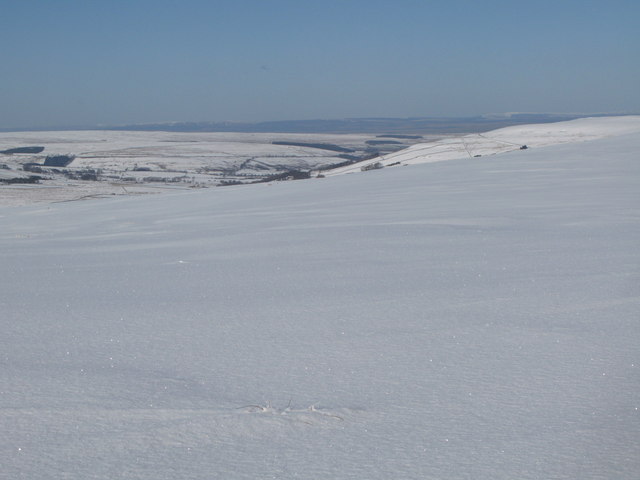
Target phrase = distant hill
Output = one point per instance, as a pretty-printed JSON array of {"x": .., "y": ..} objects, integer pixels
[
  {"x": 377, "y": 125},
  {"x": 421, "y": 125}
]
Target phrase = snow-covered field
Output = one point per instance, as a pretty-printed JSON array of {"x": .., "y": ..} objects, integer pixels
[
  {"x": 469, "y": 319},
  {"x": 147, "y": 162}
]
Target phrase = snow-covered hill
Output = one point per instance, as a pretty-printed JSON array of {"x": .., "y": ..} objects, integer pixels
[
  {"x": 127, "y": 162},
  {"x": 505, "y": 140},
  {"x": 476, "y": 318}
]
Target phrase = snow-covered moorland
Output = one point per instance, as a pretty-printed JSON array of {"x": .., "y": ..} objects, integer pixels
[
  {"x": 505, "y": 140},
  {"x": 476, "y": 318},
  {"x": 107, "y": 162}
]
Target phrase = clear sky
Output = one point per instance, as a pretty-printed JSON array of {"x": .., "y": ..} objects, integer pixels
[{"x": 86, "y": 62}]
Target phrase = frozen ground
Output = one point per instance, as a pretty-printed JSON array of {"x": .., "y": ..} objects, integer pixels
[{"x": 470, "y": 319}]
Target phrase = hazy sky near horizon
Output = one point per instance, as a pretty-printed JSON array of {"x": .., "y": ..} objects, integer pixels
[{"x": 87, "y": 62}]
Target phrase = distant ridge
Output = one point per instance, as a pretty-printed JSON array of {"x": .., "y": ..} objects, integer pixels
[
  {"x": 381, "y": 125},
  {"x": 416, "y": 125}
]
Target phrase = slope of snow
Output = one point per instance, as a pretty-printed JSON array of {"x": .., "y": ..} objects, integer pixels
[
  {"x": 453, "y": 320},
  {"x": 506, "y": 140}
]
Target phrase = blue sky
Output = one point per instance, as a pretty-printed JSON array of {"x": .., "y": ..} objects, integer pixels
[{"x": 68, "y": 62}]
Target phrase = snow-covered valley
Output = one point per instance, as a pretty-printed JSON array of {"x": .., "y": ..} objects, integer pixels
[
  {"x": 106, "y": 162},
  {"x": 474, "y": 318}
]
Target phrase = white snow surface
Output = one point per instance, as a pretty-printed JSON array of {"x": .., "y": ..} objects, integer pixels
[
  {"x": 455, "y": 320},
  {"x": 505, "y": 140}
]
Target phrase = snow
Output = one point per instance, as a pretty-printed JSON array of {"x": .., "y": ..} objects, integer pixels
[
  {"x": 475, "y": 318},
  {"x": 505, "y": 140},
  {"x": 210, "y": 157},
  {"x": 149, "y": 162}
]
